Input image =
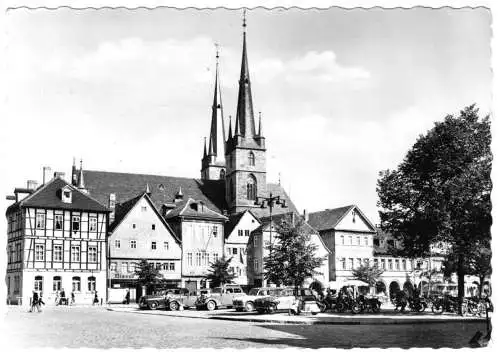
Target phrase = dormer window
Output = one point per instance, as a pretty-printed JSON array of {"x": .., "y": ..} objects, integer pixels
[{"x": 66, "y": 195}]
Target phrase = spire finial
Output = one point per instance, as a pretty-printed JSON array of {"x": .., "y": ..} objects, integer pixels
[
  {"x": 81, "y": 163},
  {"x": 244, "y": 19},
  {"x": 217, "y": 51},
  {"x": 279, "y": 178}
]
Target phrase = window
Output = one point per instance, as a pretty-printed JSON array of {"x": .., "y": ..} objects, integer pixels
[
  {"x": 349, "y": 240},
  {"x": 342, "y": 239},
  {"x": 56, "y": 283},
  {"x": 75, "y": 223},
  {"x": 382, "y": 263},
  {"x": 247, "y": 232},
  {"x": 251, "y": 159},
  {"x": 216, "y": 257},
  {"x": 198, "y": 259},
  {"x": 255, "y": 241},
  {"x": 75, "y": 253},
  {"x": 133, "y": 226},
  {"x": 376, "y": 242},
  {"x": 389, "y": 264},
  {"x": 375, "y": 263},
  {"x": 358, "y": 262},
  {"x": 91, "y": 283},
  {"x": 112, "y": 266},
  {"x": 58, "y": 222},
  {"x": 10, "y": 254},
  {"x": 58, "y": 253},
  {"x": 92, "y": 254},
  {"x": 38, "y": 283},
  {"x": 17, "y": 284},
  {"x": 205, "y": 258},
  {"x": 251, "y": 187},
  {"x": 153, "y": 227},
  {"x": 144, "y": 209},
  {"x": 229, "y": 250},
  {"x": 39, "y": 252},
  {"x": 171, "y": 266},
  {"x": 342, "y": 263},
  {"x": 40, "y": 220},
  {"x": 404, "y": 264},
  {"x": 133, "y": 244},
  {"x": 256, "y": 265},
  {"x": 18, "y": 252},
  {"x": 117, "y": 243},
  {"x": 190, "y": 259},
  {"x": 358, "y": 240},
  {"x": 215, "y": 231},
  {"x": 350, "y": 263},
  {"x": 124, "y": 267},
  {"x": 240, "y": 233},
  {"x": 93, "y": 224},
  {"x": 222, "y": 174},
  {"x": 396, "y": 263},
  {"x": 153, "y": 245},
  {"x": 235, "y": 251},
  {"x": 366, "y": 240},
  {"x": 76, "y": 284},
  {"x": 367, "y": 262},
  {"x": 132, "y": 267}
]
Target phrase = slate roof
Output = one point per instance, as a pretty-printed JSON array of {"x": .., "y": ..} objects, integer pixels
[
  {"x": 47, "y": 197},
  {"x": 329, "y": 218},
  {"x": 194, "y": 209},
  {"x": 163, "y": 188},
  {"x": 234, "y": 220}
]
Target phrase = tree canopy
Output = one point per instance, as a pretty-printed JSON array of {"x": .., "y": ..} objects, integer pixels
[
  {"x": 147, "y": 274},
  {"x": 293, "y": 257},
  {"x": 219, "y": 274},
  {"x": 441, "y": 191},
  {"x": 368, "y": 274}
]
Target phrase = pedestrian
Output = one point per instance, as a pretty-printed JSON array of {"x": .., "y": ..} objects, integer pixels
[
  {"x": 127, "y": 297},
  {"x": 40, "y": 302},
  {"x": 57, "y": 298},
  {"x": 96, "y": 299},
  {"x": 72, "y": 298},
  {"x": 62, "y": 299},
  {"x": 34, "y": 302}
]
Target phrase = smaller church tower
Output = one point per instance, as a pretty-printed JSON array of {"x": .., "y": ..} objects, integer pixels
[
  {"x": 213, "y": 165},
  {"x": 245, "y": 147}
]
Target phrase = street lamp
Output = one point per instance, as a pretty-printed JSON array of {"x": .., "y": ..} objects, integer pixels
[{"x": 270, "y": 202}]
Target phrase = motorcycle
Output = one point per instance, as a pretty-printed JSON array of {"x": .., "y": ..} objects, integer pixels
[
  {"x": 417, "y": 304},
  {"x": 363, "y": 304},
  {"x": 447, "y": 304}
]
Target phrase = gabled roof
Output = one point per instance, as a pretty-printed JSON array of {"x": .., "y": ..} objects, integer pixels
[
  {"x": 328, "y": 219},
  {"x": 163, "y": 188},
  {"x": 123, "y": 209},
  {"x": 194, "y": 209},
  {"x": 234, "y": 221},
  {"x": 48, "y": 197}
]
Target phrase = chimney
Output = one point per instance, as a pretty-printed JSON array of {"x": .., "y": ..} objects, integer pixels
[
  {"x": 112, "y": 206},
  {"x": 59, "y": 174},
  {"x": 46, "y": 174},
  {"x": 31, "y": 185},
  {"x": 306, "y": 215}
]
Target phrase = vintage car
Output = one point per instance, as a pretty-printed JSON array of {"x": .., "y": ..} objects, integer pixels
[
  {"x": 284, "y": 300},
  {"x": 163, "y": 299},
  {"x": 186, "y": 299},
  {"x": 246, "y": 302},
  {"x": 219, "y": 297}
]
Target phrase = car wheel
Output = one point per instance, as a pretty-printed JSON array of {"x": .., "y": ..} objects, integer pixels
[
  {"x": 271, "y": 309},
  {"x": 249, "y": 306},
  {"x": 437, "y": 308},
  {"x": 153, "y": 305},
  {"x": 356, "y": 308},
  {"x": 173, "y": 305},
  {"x": 211, "y": 305}
]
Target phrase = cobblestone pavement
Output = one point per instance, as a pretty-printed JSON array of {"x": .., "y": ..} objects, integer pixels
[{"x": 96, "y": 327}]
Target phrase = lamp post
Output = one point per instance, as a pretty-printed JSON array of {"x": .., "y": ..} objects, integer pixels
[{"x": 270, "y": 201}]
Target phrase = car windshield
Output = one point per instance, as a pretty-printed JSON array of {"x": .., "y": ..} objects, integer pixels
[
  {"x": 217, "y": 290},
  {"x": 254, "y": 292}
]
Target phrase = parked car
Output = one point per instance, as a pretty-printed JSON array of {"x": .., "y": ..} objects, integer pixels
[
  {"x": 156, "y": 300},
  {"x": 246, "y": 302},
  {"x": 284, "y": 300},
  {"x": 186, "y": 299},
  {"x": 219, "y": 297}
]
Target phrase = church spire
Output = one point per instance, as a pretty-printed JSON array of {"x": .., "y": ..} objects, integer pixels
[
  {"x": 81, "y": 181},
  {"x": 205, "y": 147},
  {"x": 216, "y": 145},
  {"x": 260, "y": 124},
  {"x": 245, "y": 123},
  {"x": 230, "y": 133}
]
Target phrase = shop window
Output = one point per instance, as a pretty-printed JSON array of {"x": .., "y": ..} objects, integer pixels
[
  {"x": 91, "y": 284},
  {"x": 76, "y": 284},
  {"x": 57, "y": 283},
  {"x": 38, "y": 283}
]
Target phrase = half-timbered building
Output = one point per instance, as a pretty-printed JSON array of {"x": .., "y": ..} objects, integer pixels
[{"x": 56, "y": 240}]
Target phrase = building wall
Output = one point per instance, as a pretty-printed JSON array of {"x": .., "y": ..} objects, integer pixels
[
  {"x": 200, "y": 247},
  {"x": 42, "y": 249},
  {"x": 237, "y": 241}
]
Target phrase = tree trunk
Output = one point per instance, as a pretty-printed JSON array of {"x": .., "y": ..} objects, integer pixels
[
  {"x": 481, "y": 284},
  {"x": 461, "y": 282}
]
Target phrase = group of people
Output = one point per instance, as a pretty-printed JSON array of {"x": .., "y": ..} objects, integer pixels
[
  {"x": 36, "y": 302},
  {"x": 61, "y": 298},
  {"x": 403, "y": 297}
]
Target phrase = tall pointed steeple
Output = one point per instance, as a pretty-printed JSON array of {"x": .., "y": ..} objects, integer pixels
[
  {"x": 260, "y": 124},
  {"x": 81, "y": 181},
  {"x": 216, "y": 144},
  {"x": 244, "y": 113},
  {"x": 230, "y": 133},
  {"x": 205, "y": 147},
  {"x": 74, "y": 173}
]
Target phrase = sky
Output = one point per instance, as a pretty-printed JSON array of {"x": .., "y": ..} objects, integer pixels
[{"x": 344, "y": 94}]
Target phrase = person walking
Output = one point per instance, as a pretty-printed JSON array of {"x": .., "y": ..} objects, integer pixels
[
  {"x": 40, "y": 302},
  {"x": 96, "y": 299},
  {"x": 72, "y": 298},
  {"x": 127, "y": 297},
  {"x": 34, "y": 302},
  {"x": 56, "y": 300}
]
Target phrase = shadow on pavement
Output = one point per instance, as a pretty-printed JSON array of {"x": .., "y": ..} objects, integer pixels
[{"x": 453, "y": 335}]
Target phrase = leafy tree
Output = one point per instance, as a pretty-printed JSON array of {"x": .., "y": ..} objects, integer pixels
[
  {"x": 441, "y": 191},
  {"x": 219, "y": 274},
  {"x": 147, "y": 274},
  {"x": 368, "y": 274},
  {"x": 293, "y": 257}
]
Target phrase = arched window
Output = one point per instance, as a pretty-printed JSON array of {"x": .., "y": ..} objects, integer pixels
[
  {"x": 57, "y": 284},
  {"x": 222, "y": 174},
  {"x": 251, "y": 187},
  {"x": 91, "y": 284},
  {"x": 251, "y": 159},
  {"x": 38, "y": 283}
]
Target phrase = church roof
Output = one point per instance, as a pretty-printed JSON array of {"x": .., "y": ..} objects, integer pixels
[
  {"x": 48, "y": 197},
  {"x": 163, "y": 188},
  {"x": 192, "y": 208},
  {"x": 329, "y": 218}
]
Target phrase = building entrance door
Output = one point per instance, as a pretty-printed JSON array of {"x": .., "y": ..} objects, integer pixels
[{"x": 191, "y": 285}]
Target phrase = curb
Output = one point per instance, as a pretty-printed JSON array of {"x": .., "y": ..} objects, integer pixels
[{"x": 367, "y": 321}]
